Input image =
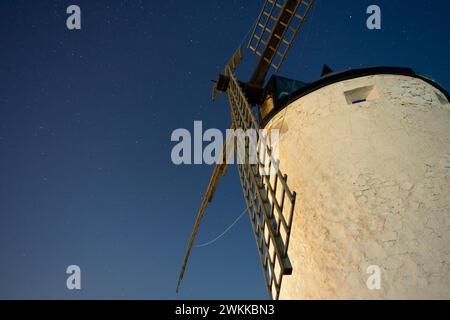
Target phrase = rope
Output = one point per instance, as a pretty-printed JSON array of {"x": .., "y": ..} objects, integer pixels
[{"x": 223, "y": 233}]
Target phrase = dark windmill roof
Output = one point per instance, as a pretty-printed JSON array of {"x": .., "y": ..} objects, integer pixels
[{"x": 285, "y": 91}]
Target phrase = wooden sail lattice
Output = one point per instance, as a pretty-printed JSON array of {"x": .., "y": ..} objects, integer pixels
[
  {"x": 276, "y": 28},
  {"x": 270, "y": 201}
]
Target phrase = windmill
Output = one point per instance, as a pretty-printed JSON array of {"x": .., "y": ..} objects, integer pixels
[{"x": 270, "y": 201}]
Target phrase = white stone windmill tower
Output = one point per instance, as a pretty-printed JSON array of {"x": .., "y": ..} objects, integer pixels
[{"x": 367, "y": 153}]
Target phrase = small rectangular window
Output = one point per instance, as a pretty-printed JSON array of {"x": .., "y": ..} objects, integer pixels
[{"x": 359, "y": 95}]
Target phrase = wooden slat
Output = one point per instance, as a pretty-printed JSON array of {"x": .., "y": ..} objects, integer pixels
[{"x": 261, "y": 197}]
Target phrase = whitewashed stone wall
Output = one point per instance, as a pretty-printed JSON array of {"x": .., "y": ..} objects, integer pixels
[{"x": 373, "y": 184}]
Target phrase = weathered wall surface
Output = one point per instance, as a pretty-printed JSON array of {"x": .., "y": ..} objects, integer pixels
[{"x": 373, "y": 184}]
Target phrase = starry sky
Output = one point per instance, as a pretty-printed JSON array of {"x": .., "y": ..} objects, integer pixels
[{"x": 86, "y": 117}]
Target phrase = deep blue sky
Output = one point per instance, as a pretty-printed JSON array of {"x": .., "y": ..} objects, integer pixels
[{"x": 85, "y": 124}]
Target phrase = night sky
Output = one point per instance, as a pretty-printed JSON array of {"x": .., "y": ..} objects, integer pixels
[{"x": 86, "y": 117}]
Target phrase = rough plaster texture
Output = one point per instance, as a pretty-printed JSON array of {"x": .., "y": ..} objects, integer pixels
[{"x": 373, "y": 185}]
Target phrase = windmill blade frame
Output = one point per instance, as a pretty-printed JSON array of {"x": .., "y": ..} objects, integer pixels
[
  {"x": 269, "y": 199},
  {"x": 219, "y": 171},
  {"x": 274, "y": 32}
]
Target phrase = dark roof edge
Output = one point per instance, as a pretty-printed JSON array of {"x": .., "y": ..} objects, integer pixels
[{"x": 348, "y": 75}]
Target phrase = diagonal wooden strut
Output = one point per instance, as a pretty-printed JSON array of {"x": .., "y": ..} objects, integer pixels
[{"x": 219, "y": 171}]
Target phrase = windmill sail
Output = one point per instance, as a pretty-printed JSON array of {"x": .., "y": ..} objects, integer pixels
[
  {"x": 269, "y": 199},
  {"x": 219, "y": 171},
  {"x": 275, "y": 30}
]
